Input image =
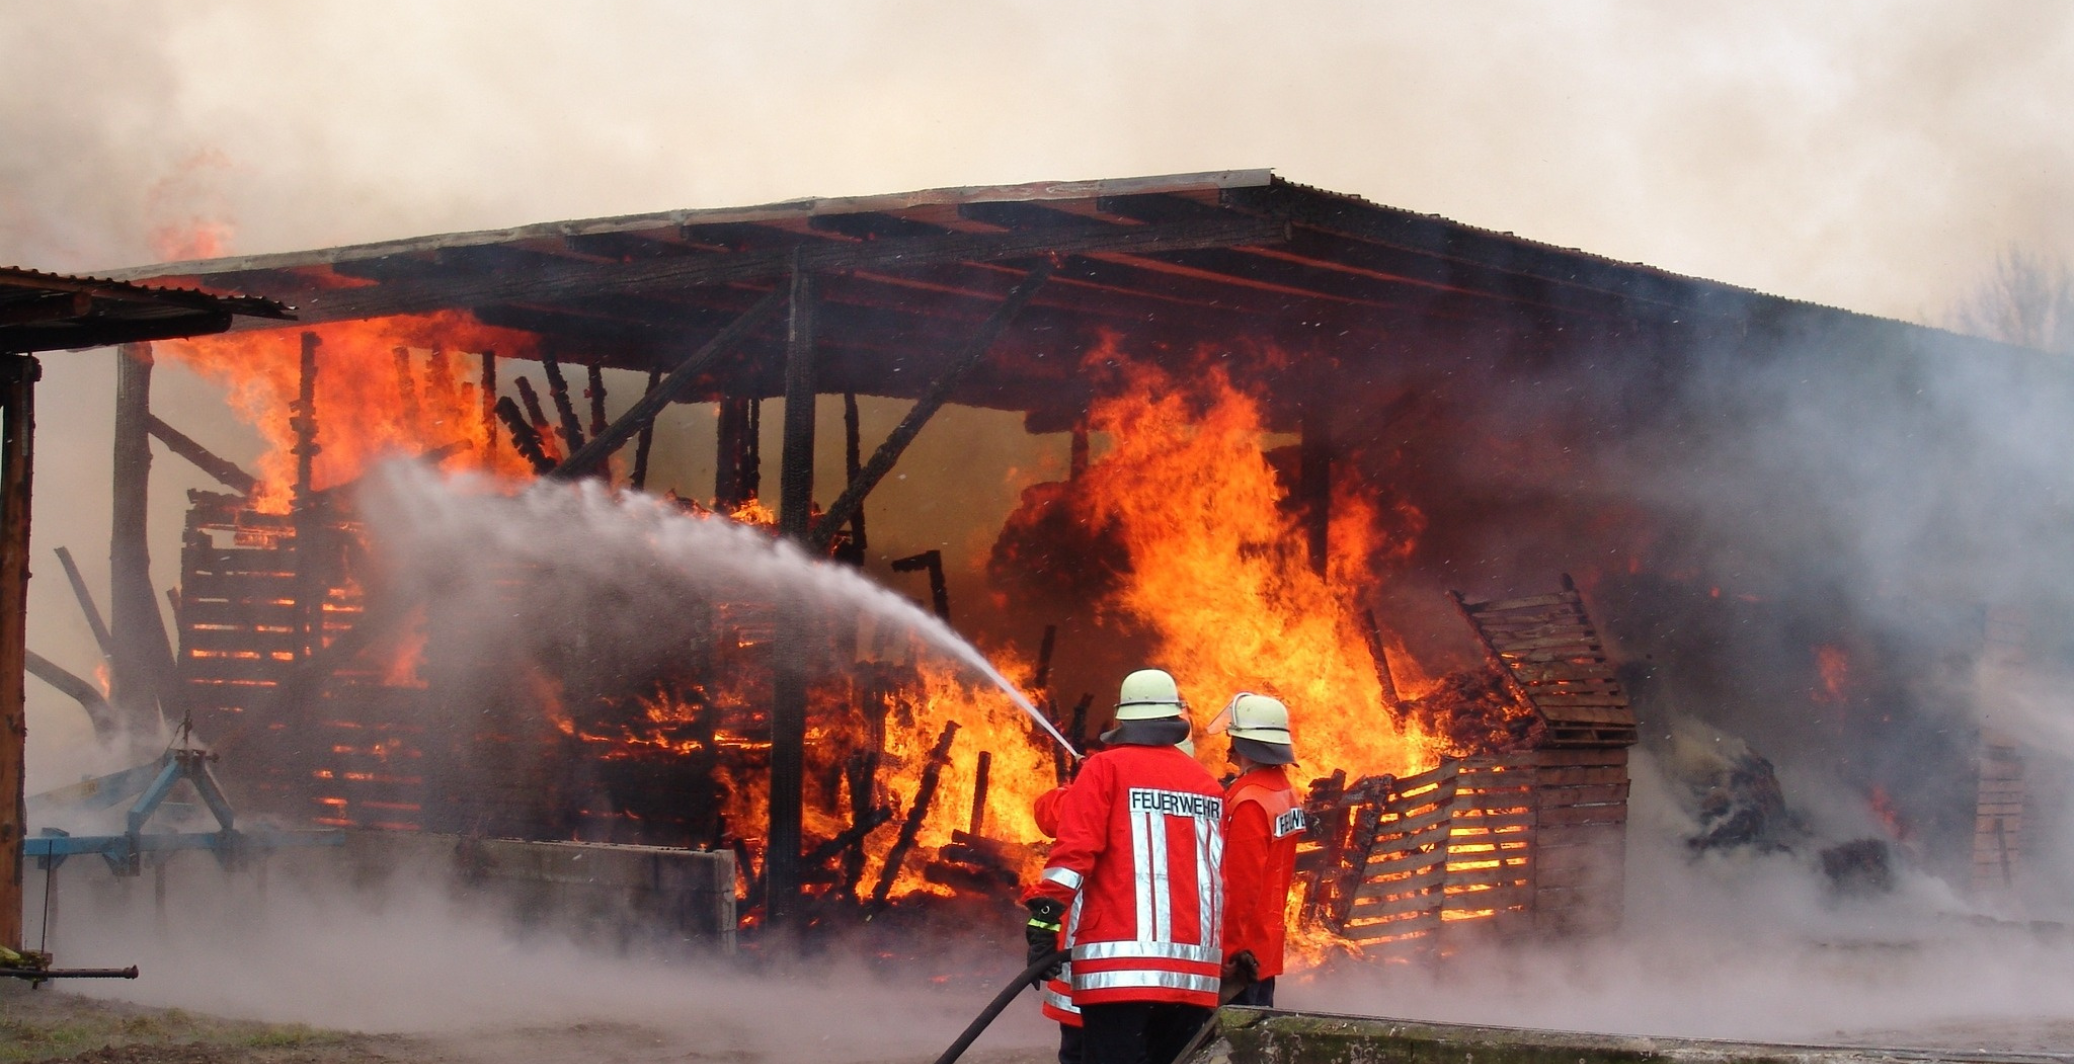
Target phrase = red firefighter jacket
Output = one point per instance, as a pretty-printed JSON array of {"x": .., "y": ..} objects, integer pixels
[
  {"x": 1058, "y": 990},
  {"x": 1140, "y": 840},
  {"x": 1262, "y": 823}
]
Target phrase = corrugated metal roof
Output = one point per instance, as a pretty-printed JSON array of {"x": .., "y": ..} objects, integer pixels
[{"x": 49, "y": 311}]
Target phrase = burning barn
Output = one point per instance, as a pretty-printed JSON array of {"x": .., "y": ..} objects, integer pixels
[{"x": 1421, "y": 480}]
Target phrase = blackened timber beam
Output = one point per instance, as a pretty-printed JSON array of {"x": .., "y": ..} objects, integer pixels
[
  {"x": 488, "y": 394},
  {"x": 225, "y": 471},
  {"x": 18, "y": 375},
  {"x": 535, "y": 416},
  {"x": 643, "y": 442},
  {"x": 853, "y": 463},
  {"x": 524, "y": 438},
  {"x": 781, "y": 862},
  {"x": 558, "y": 390},
  {"x": 577, "y": 280},
  {"x": 89, "y": 697},
  {"x": 796, "y": 465},
  {"x": 931, "y": 562},
  {"x": 102, "y": 638},
  {"x": 594, "y": 390},
  {"x": 644, "y": 409},
  {"x": 925, "y": 408}
]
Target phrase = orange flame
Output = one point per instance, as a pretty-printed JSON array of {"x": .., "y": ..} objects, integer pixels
[
  {"x": 1219, "y": 570},
  {"x": 1834, "y": 666},
  {"x": 371, "y": 401}
]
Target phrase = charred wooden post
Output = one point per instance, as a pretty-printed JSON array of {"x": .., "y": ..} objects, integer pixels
[
  {"x": 488, "y": 375},
  {"x": 861, "y": 778},
  {"x": 223, "y": 470},
  {"x": 789, "y": 686},
  {"x": 406, "y": 387},
  {"x": 1077, "y": 455},
  {"x": 523, "y": 436},
  {"x": 939, "y": 393},
  {"x": 102, "y": 637},
  {"x": 535, "y": 416},
  {"x": 1373, "y": 633},
  {"x": 134, "y": 622},
  {"x": 594, "y": 390},
  {"x": 930, "y": 561},
  {"x": 642, "y": 442},
  {"x": 925, "y": 793},
  {"x": 441, "y": 389},
  {"x": 565, "y": 408},
  {"x": 980, "y": 773},
  {"x": 853, "y": 463},
  {"x": 309, "y": 577},
  {"x": 730, "y": 475},
  {"x": 1079, "y": 732},
  {"x": 18, "y": 376},
  {"x": 1042, "y": 678},
  {"x": 752, "y": 454}
]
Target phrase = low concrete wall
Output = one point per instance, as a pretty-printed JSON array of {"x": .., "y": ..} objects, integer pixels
[
  {"x": 1255, "y": 1036},
  {"x": 627, "y": 897}
]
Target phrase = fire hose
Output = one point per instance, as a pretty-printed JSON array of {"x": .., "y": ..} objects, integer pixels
[
  {"x": 1008, "y": 993},
  {"x": 35, "y": 967},
  {"x": 40, "y": 974}
]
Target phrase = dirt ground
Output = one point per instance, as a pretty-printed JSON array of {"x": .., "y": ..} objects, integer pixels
[{"x": 50, "y": 1024}]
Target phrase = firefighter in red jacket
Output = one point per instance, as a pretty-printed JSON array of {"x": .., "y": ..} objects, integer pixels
[
  {"x": 1263, "y": 819},
  {"x": 1137, "y": 864},
  {"x": 1057, "y": 988}
]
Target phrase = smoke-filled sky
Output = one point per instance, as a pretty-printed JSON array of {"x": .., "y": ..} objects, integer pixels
[{"x": 1869, "y": 155}]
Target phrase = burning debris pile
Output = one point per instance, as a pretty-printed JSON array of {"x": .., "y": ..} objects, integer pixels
[{"x": 522, "y": 698}]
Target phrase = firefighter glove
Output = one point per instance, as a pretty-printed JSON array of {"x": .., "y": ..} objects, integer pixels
[
  {"x": 1243, "y": 967},
  {"x": 1043, "y": 931}
]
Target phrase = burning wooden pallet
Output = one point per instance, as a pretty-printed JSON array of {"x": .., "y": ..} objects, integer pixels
[{"x": 1551, "y": 655}]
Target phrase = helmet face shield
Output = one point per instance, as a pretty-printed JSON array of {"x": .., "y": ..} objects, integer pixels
[
  {"x": 1258, "y": 719},
  {"x": 1222, "y": 721}
]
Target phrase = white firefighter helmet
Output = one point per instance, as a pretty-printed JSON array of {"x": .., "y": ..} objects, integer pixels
[
  {"x": 1258, "y": 725},
  {"x": 1148, "y": 694}
]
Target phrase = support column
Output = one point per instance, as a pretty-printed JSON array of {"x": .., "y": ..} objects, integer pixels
[
  {"x": 136, "y": 629},
  {"x": 309, "y": 583},
  {"x": 731, "y": 443},
  {"x": 18, "y": 375},
  {"x": 789, "y": 686}
]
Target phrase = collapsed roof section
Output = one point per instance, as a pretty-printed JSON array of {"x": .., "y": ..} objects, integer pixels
[
  {"x": 1179, "y": 260},
  {"x": 49, "y": 312}
]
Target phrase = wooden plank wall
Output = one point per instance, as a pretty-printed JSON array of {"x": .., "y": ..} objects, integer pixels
[
  {"x": 1551, "y": 654},
  {"x": 1534, "y": 841},
  {"x": 1998, "y": 819},
  {"x": 1580, "y": 839}
]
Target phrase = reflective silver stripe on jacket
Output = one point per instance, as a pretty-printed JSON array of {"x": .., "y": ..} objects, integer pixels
[
  {"x": 1209, "y": 879},
  {"x": 1171, "y": 951},
  {"x": 1162, "y": 883},
  {"x": 1125, "y": 980},
  {"x": 1064, "y": 877},
  {"x": 1141, "y": 868},
  {"x": 1061, "y": 1002}
]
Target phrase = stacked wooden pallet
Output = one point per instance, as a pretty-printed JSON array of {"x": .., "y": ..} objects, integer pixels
[
  {"x": 1552, "y": 657},
  {"x": 1998, "y": 816},
  {"x": 1447, "y": 846}
]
